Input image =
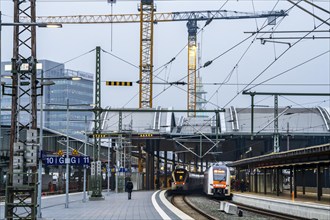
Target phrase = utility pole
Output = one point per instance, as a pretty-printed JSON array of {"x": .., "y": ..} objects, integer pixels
[
  {"x": 22, "y": 176},
  {"x": 276, "y": 134},
  {"x": 85, "y": 145},
  {"x": 96, "y": 164}
]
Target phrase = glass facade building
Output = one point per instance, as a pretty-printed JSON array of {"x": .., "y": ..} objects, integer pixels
[{"x": 79, "y": 94}]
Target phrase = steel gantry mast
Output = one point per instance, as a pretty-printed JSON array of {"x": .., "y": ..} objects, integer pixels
[
  {"x": 147, "y": 18},
  {"x": 21, "y": 189}
]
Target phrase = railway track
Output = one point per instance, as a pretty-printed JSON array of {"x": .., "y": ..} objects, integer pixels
[
  {"x": 181, "y": 203},
  {"x": 266, "y": 212},
  {"x": 211, "y": 211}
]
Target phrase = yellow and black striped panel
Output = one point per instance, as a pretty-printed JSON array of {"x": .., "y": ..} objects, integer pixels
[{"x": 118, "y": 83}]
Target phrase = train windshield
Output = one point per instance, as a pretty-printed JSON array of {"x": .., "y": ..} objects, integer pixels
[
  {"x": 219, "y": 174},
  {"x": 179, "y": 175}
]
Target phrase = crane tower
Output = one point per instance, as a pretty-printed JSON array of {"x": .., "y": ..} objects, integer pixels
[{"x": 147, "y": 17}]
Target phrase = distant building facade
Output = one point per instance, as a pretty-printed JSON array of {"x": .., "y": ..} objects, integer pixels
[{"x": 79, "y": 94}]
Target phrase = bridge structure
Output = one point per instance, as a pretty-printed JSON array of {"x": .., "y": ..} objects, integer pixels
[{"x": 158, "y": 137}]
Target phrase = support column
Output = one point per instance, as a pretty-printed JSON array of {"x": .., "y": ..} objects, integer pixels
[
  {"x": 318, "y": 182},
  {"x": 295, "y": 181},
  {"x": 265, "y": 181},
  {"x": 152, "y": 166},
  {"x": 147, "y": 165},
  {"x": 250, "y": 180},
  {"x": 303, "y": 180},
  {"x": 290, "y": 180},
  {"x": 256, "y": 181},
  {"x": 165, "y": 168},
  {"x": 277, "y": 181},
  {"x": 140, "y": 167},
  {"x": 173, "y": 161},
  {"x": 184, "y": 159},
  {"x": 196, "y": 160},
  {"x": 158, "y": 168}
]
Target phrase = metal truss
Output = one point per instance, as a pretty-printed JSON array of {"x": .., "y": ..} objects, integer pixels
[
  {"x": 22, "y": 176},
  {"x": 146, "y": 53}
]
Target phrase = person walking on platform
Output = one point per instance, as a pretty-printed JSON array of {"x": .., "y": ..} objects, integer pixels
[
  {"x": 242, "y": 185},
  {"x": 129, "y": 188}
]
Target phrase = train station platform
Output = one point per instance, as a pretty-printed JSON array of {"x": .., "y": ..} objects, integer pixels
[
  {"x": 304, "y": 206},
  {"x": 143, "y": 205},
  {"x": 154, "y": 205}
]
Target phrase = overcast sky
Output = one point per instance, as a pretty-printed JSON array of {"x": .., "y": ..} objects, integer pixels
[{"x": 249, "y": 60}]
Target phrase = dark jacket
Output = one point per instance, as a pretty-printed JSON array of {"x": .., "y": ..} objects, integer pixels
[{"x": 129, "y": 186}]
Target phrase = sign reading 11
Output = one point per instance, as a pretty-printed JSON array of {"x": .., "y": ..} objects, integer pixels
[{"x": 72, "y": 160}]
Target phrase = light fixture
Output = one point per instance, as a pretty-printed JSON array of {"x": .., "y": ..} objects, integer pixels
[
  {"x": 75, "y": 78},
  {"x": 46, "y": 25},
  {"x": 48, "y": 83},
  {"x": 7, "y": 76}
]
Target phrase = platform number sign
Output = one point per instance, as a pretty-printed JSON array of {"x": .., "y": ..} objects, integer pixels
[{"x": 73, "y": 160}]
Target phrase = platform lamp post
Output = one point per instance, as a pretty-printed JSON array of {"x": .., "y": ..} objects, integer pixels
[
  {"x": 85, "y": 145},
  {"x": 108, "y": 170},
  {"x": 67, "y": 159},
  {"x": 42, "y": 84}
]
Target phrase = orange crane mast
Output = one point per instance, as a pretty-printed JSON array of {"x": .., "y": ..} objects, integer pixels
[{"x": 147, "y": 18}]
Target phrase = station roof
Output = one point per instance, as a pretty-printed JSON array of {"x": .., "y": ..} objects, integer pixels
[
  {"x": 233, "y": 121},
  {"x": 308, "y": 156}
]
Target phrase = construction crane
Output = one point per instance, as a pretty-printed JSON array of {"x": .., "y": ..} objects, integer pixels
[{"x": 147, "y": 18}]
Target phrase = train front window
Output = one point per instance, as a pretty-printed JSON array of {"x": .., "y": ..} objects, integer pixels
[
  {"x": 219, "y": 174},
  {"x": 179, "y": 176}
]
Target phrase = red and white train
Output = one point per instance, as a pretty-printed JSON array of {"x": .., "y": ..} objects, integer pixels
[{"x": 217, "y": 181}]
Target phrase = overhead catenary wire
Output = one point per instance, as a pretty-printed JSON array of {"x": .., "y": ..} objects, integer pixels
[
  {"x": 281, "y": 55},
  {"x": 241, "y": 57},
  {"x": 310, "y": 13},
  {"x": 103, "y": 1},
  {"x": 294, "y": 67},
  {"x": 72, "y": 59},
  {"x": 119, "y": 58}
]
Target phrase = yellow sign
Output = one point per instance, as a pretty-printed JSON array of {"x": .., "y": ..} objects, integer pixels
[
  {"x": 116, "y": 83},
  {"x": 100, "y": 135},
  {"x": 145, "y": 135},
  {"x": 60, "y": 153},
  {"x": 75, "y": 152}
]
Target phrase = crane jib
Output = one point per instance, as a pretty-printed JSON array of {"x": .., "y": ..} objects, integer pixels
[{"x": 158, "y": 17}]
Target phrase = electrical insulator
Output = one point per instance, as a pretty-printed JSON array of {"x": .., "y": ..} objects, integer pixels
[
  {"x": 18, "y": 163},
  {"x": 98, "y": 167},
  {"x": 31, "y": 136},
  {"x": 93, "y": 168},
  {"x": 31, "y": 155},
  {"x": 18, "y": 147}
]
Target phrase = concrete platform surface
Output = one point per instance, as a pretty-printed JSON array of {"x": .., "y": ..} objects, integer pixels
[
  {"x": 143, "y": 205},
  {"x": 303, "y": 207},
  {"x": 114, "y": 206}
]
